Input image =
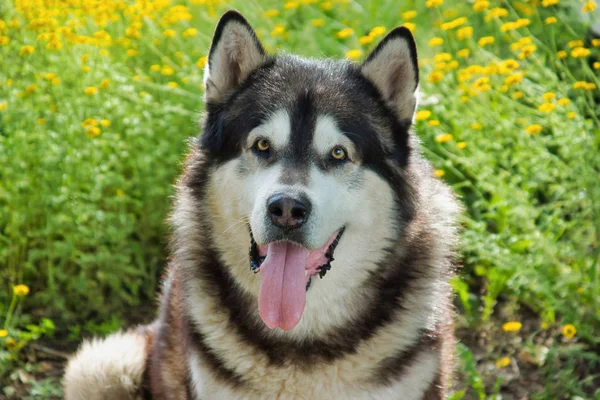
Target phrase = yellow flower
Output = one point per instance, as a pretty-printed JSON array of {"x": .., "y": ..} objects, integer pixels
[
  {"x": 278, "y": 30},
  {"x": 485, "y": 40},
  {"x": 353, "y": 54},
  {"x": 317, "y": 22},
  {"x": 569, "y": 331},
  {"x": 189, "y": 32},
  {"x": 86, "y": 68},
  {"x": 561, "y": 54},
  {"x": 513, "y": 79},
  {"x": 345, "y": 33},
  {"x": 272, "y": 13},
  {"x": 435, "y": 77},
  {"x": 155, "y": 67},
  {"x": 464, "y": 33},
  {"x": 173, "y": 85},
  {"x": 476, "y": 126},
  {"x": 596, "y": 42},
  {"x": 436, "y": 41},
  {"x": 89, "y": 122},
  {"x": 546, "y": 107},
  {"x": 589, "y": 6},
  {"x": 443, "y": 138},
  {"x": 441, "y": 57},
  {"x": 461, "y": 145},
  {"x": 533, "y": 129},
  {"x": 563, "y": 102},
  {"x": 527, "y": 51},
  {"x": 408, "y": 15},
  {"x": 30, "y": 89},
  {"x": 143, "y": 94},
  {"x": 3, "y": 333},
  {"x": 503, "y": 362},
  {"x": 580, "y": 52},
  {"x": 104, "y": 84},
  {"x": 518, "y": 95},
  {"x": 579, "y": 85},
  {"x": 548, "y": 3},
  {"x": 575, "y": 43},
  {"x": 439, "y": 173},
  {"x": 167, "y": 70},
  {"x": 548, "y": 96},
  {"x": 3, "y": 105},
  {"x": 41, "y": 121},
  {"x": 365, "y": 39},
  {"x": 377, "y": 31},
  {"x": 513, "y": 326},
  {"x": 497, "y": 12},
  {"x": 93, "y": 131},
  {"x": 422, "y": 115},
  {"x": 26, "y": 50},
  {"x": 590, "y": 86},
  {"x": 10, "y": 344},
  {"x": 326, "y": 5},
  {"x": 434, "y": 122},
  {"x": 201, "y": 62},
  {"x": 410, "y": 26},
  {"x": 4, "y": 40},
  {"x": 550, "y": 20},
  {"x": 21, "y": 290},
  {"x": 290, "y": 5},
  {"x": 105, "y": 122},
  {"x": 434, "y": 3},
  {"x": 454, "y": 23},
  {"x": 169, "y": 33},
  {"x": 91, "y": 90},
  {"x": 596, "y": 65},
  {"x": 482, "y": 84},
  {"x": 481, "y": 5},
  {"x": 571, "y": 115},
  {"x": 463, "y": 53}
]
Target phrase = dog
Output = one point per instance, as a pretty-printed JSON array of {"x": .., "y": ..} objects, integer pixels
[{"x": 312, "y": 246}]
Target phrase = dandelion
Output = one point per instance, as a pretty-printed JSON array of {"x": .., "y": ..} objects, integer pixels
[
  {"x": 435, "y": 77},
  {"x": 517, "y": 95},
  {"x": 169, "y": 33},
  {"x": 503, "y": 362},
  {"x": 423, "y": 115},
  {"x": 513, "y": 79},
  {"x": 201, "y": 62},
  {"x": 104, "y": 84},
  {"x": 26, "y": 50},
  {"x": 441, "y": 57},
  {"x": 569, "y": 331},
  {"x": 189, "y": 32},
  {"x": 548, "y": 96},
  {"x": 30, "y": 89},
  {"x": 464, "y": 33},
  {"x": 481, "y": 5},
  {"x": 433, "y": 3},
  {"x": 21, "y": 290},
  {"x": 10, "y": 344},
  {"x": 443, "y": 138},
  {"x": 86, "y": 68},
  {"x": 512, "y": 326},
  {"x": 290, "y": 5},
  {"x": 410, "y": 26},
  {"x": 345, "y": 33},
  {"x": 533, "y": 129},
  {"x": 326, "y": 5},
  {"x": 436, "y": 41},
  {"x": 3, "y": 333},
  {"x": 550, "y": 20},
  {"x": 485, "y": 41},
  {"x": 579, "y": 52},
  {"x": 571, "y": 115},
  {"x": 278, "y": 30},
  {"x": 353, "y": 54},
  {"x": 590, "y": 86},
  {"x": 463, "y": 53},
  {"x": 91, "y": 90},
  {"x": 365, "y": 39},
  {"x": 526, "y": 51},
  {"x": 272, "y": 13},
  {"x": 377, "y": 31},
  {"x": 461, "y": 145},
  {"x": 409, "y": 15},
  {"x": 546, "y": 107},
  {"x": 563, "y": 102},
  {"x": 439, "y": 173},
  {"x": 317, "y": 22},
  {"x": 589, "y": 6},
  {"x": 41, "y": 121},
  {"x": 596, "y": 65},
  {"x": 89, "y": 122},
  {"x": 548, "y": 3},
  {"x": 3, "y": 105},
  {"x": 105, "y": 122},
  {"x": 173, "y": 85},
  {"x": 476, "y": 126},
  {"x": 454, "y": 24},
  {"x": 596, "y": 42},
  {"x": 497, "y": 12},
  {"x": 167, "y": 70},
  {"x": 575, "y": 43},
  {"x": 93, "y": 131},
  {"x": 561, "y": 54},
  {"x": 482, "y": 84},
  {"x": 155, "y": 68},
  {"x": 4, "y": 40},
  {"x": 434, "y": 122},
  {"x": 143, "y": 94}
]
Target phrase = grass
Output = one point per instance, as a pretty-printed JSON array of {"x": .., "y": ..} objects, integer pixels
[{"x": 97, "y": 101}]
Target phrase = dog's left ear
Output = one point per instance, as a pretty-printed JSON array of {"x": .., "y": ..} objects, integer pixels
[
  {"x": 394, "y": 70},
  {"x": 234, "y": 53}
]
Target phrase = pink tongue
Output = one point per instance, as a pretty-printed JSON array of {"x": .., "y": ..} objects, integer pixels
[{"x": 282, "y": 293}]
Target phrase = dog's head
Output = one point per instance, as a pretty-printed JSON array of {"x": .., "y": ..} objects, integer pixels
[{"x": 307, "y": 158}]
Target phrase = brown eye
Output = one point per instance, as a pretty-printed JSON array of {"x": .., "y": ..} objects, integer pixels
[
  {"x": 262, "y": 145},
  {"x": 338, "y": 153}
]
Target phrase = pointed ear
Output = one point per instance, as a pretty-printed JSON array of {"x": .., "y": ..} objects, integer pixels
[
  {"x": 393, "y": 68},
  {"x": 234, "y": 53}
]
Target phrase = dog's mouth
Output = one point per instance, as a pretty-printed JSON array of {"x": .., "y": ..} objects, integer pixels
[{"x": 286, "y": 269}]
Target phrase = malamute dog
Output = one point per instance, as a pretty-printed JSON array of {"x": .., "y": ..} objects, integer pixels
[{"x": 311, "y": 247}]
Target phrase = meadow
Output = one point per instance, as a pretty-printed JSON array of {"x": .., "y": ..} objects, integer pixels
[{"x": 99, "y": 98}]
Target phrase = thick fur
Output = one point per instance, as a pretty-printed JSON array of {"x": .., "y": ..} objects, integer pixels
[{"x": 379, "y": 324}]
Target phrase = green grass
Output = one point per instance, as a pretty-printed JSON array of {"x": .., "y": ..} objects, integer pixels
[{"x": 82, "y": 210}]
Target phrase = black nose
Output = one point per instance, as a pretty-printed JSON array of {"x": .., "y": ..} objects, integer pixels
[{"x": 288, "y": 212}]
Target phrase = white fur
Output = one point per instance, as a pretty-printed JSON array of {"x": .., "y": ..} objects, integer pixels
[
  {"x": 276, "y": 129},
  {"x": 107, "y": 369}
]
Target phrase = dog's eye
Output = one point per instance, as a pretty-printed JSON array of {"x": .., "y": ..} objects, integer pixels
[
  {"x": 262, "y": 145},
  {"x": 338, "y": 153}
]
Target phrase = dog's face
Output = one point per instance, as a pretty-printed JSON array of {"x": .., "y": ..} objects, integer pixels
[{"x": 308, "y": 158}]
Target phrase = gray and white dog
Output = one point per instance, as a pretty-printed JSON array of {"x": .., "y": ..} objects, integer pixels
[{"x": 312, "y": 246}]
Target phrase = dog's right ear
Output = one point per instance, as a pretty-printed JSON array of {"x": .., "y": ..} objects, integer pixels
[{"x": 234, "y": 53}]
